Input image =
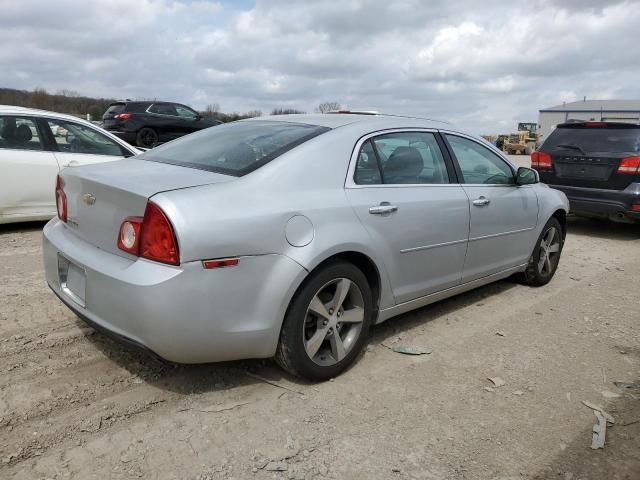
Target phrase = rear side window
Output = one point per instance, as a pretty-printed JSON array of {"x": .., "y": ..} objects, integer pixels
[
  {"x": 19, "y": 133},
  {"x": 618, "y": 140},
  {"x": 75, "y": 138},
  {"x": 235, "y": 148},
  {"x": 407, "y": 158},
  {"x": 163, "y": 109}
]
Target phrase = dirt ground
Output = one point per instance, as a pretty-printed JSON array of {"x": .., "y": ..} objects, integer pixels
[{"x": 74, "y": 404}]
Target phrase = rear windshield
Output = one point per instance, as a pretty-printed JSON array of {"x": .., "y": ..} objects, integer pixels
[
  {"x": 616, "y": 140},
  {"x": 115, "y": 108},
  {"x": 235, "y": 148}
]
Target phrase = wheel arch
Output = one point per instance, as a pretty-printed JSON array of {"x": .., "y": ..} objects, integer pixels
[
  {"x": 561, "y": 215},
  {"x": 371, "y": 270}
]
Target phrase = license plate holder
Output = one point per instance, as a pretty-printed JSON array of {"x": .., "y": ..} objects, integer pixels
[{"x": 72, "y": 280}]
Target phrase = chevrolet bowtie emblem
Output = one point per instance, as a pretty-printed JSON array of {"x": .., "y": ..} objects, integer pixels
[{"x": 88, "y": 199}]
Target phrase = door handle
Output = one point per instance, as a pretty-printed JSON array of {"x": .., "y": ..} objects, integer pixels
[
  {"x": 384, "y": 207},
  {"x": 481, "y": 201}
]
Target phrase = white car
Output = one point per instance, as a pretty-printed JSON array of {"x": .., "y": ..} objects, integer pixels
[{"x": 33, "y": 151}]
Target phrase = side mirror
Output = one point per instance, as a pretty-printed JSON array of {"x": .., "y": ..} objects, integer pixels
[{"x": 527, "y": 176}]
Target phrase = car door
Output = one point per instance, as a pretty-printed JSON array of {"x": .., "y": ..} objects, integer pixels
[
  {"x": 404, "y": 192},
  {"x": 79, "y": 144},
  {"x": 164, "y": 120},
  {"x": 503, "y": 214},
  {"x": 27, "y": 169},
  {"x": 189, "y": 119}
]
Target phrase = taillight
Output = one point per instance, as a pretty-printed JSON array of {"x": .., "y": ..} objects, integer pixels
[
  {"x": 122, "y": 116},
  {"x": 595, "y": 124},
  {"x": 129, "y": 236},
  {"x": 630, "y": 165},
  {"x": 150, "y": 237},
  {"x": 61, "y": 200},
  {"x": 541, "y": 161}
]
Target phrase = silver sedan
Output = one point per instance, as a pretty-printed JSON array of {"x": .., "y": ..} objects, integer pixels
[{"x": 289, "y": 236}]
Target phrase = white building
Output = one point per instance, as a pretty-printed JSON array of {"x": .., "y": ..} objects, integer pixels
[{"x": 597, "y": 110}]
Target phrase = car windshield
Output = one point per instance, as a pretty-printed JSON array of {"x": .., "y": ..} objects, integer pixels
[
  {"x": 618, "y": 140},
  {"x": 236, "y": 148}
]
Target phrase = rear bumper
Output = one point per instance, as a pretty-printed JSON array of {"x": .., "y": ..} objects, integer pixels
[
  {"x": 595, "y": 202},
  {"x": 184, "y": 314}
]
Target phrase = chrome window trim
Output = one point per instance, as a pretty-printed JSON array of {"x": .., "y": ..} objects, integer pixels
[{"x": 351, "y": 184}]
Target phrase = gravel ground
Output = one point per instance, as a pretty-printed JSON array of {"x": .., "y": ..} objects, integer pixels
[{"x": 73, "y": 404}]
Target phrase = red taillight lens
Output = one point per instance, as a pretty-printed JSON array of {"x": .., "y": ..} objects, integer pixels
[
  {"x": 636, "y": 207},
  {"x": 157, "y": 239},
  {"x": 61, "y": 200},
  {"x": 630, "y": 165},
  {"x": 129, "y": 236},
  {"x": 122, "y": 116},
  {"x": 541, "y": 161}
]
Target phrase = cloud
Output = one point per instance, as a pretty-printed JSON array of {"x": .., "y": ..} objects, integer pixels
[{"x": 482, "y": 66}]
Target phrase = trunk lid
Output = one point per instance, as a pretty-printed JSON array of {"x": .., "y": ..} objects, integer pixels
[
  {"x": 595, "y": 170},
  {"x": 101, "y": 196}
]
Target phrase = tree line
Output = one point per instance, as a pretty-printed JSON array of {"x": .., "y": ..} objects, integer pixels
[{"x": 72, "y": 103}]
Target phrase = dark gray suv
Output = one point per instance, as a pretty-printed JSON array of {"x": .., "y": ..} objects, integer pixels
[
  {"x": 597, "y": 165},
  {"x": 147, "y": 124}
]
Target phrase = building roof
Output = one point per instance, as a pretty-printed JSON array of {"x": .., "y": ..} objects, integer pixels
[{"x": 597, "y": 106}]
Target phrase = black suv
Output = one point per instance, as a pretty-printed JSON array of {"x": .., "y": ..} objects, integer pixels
[
  {"x": 597, "y": 165},
  {"x": 146, "y": 124}
]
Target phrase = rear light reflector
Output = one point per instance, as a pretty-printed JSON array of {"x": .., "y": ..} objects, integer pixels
[
  {"x": 221, "y": 263},
  {"x": 157, "y": 239},
  {"x": 129, "y": 237},
  {"x": 150, "y": 237},
  {"x": 630, "y": 165},
  {"x": 636, "y": 207},
  {"x": 122, "y": 116},
  {"x": 61, "y": 200},
  {"x": 541, "y": 161}
]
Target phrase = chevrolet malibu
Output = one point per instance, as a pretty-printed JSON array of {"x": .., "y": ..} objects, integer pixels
[{"x": 288, "y": 237}]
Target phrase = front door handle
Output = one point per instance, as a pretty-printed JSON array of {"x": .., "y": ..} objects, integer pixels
[
  {"x": 481, "y": 201},
  {"x": 384, "y": 207}
]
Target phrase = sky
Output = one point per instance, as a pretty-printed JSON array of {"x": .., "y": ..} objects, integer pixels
[{"x": 481, "y": 65}]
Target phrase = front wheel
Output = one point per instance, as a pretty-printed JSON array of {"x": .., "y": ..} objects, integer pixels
[
  {"x": 327, "y": 323},
  {"x": 543, "y": 262}
]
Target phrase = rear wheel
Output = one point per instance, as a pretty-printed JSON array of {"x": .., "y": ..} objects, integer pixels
[
  {"x": 543, "y": 262},
  {"x": 147, "y": 138},
  {"x": 327, "y": 323}
]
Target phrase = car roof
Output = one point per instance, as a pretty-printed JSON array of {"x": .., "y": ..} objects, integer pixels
[
  {"x": 377, "y": 121},
  {"x": 15, "y": 110}
]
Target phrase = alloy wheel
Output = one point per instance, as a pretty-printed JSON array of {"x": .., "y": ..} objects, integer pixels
[
  {"x": 549, "y": 251},
  {"x": 333, "y": 321}
]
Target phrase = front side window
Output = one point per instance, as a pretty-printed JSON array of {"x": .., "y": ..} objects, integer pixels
[
  {"x": 235, "y": 148},
  {"x": 19, "y": 133},
  {"x": 75, "y": 138},
  {"x": 478, "y": 164},
  {"x": 186, "y": 113},
  {"x": 404, "y": 158}
]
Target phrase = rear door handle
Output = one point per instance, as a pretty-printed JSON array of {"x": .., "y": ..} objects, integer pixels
[
  {"x": 384, "y": 207},
  {"x": 481, "y": 202}
]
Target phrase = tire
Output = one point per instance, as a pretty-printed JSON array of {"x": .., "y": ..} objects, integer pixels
[
  {"x": 146, "y": 138},
  {"x": 540, "y": 272},
  {"x": 297, "y": 352}
]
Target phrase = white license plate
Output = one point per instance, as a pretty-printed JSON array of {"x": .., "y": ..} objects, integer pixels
[{"x": 72, "y": 280}]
